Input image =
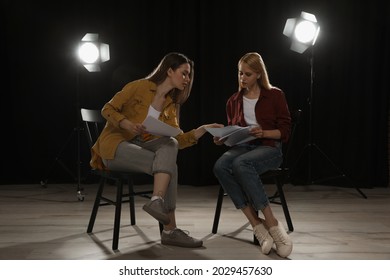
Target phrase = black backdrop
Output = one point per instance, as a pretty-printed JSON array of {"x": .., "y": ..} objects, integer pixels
[{"x": 350, "y": 93}]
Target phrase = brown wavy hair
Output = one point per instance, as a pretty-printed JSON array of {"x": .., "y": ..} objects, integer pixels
[{"x": 173, "y": 61}]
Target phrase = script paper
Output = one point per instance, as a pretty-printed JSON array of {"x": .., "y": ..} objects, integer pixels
[
  {"x": 233, "y": 134},
  {"x": 157, "y": 127}
]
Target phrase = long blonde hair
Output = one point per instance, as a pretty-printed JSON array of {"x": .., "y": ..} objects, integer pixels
[{"x": 256, "y": 63}]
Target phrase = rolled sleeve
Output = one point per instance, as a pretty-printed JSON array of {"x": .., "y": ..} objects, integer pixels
[{"x": 187, "y": 139}]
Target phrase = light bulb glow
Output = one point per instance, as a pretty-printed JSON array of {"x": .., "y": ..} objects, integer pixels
[
  {"x": 305, "y": 31},
  {"x": 88, "y": 52}
]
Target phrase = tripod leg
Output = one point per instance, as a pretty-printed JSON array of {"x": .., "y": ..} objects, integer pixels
[
  {"x": 337, "y": 169},
  {"x": 298, "y": 159},
  {"x": 76, "y": 178},
  {"x": 59, "y": 161}
]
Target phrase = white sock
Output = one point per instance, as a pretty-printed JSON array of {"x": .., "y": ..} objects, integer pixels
[
  {"x": 154, "y": 197},
  {"x": 168, "y": 231}
]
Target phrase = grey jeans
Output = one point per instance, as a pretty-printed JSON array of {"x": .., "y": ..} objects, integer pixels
[{"x": 156, "y": 156}]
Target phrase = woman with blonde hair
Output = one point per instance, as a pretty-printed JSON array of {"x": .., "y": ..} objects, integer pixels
[{"x": 263, "y": 106}]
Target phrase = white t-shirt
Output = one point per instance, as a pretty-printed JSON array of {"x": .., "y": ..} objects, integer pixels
[
  {"x": 153, "y": 112},
  {"x": 249, "y": 111}
]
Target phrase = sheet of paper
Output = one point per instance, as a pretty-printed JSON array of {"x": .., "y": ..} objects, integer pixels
[
  {"x": 232, "y": 134},
  {"x": 157, "y": 127},
  {"x": 223, "y": 131},
  {"x": 238, "y": 137}
]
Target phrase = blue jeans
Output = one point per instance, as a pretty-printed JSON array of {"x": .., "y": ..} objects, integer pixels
[{"x": 238, "y": 169}]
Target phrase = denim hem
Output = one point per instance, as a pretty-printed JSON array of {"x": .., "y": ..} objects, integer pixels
[{"x": 261, "y": 207}]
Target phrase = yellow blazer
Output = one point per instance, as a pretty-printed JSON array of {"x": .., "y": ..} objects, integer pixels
[{"x": 132, "y": 103}]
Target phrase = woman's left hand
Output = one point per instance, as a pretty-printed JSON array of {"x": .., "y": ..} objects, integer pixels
[{"x": 257, "y": 132}]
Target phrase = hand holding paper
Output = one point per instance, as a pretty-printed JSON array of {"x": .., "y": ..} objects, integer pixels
[
  {"x": 232, "y": 135},
  {"x": 157, "y": 127}
]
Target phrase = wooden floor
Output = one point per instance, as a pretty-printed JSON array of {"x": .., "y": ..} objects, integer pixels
[{"x": 330, "y": 223}]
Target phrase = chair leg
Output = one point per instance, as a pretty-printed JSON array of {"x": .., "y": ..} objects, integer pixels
[
  {"x": 218, "y": 210},
  {"x": 118, "y": 208},
  {"x": 283, "y": 201},
  {"x": 96, "y": 205},
  {"x": 161, "y": 227},
  {"x": 255, "y": 240},
  {"x": 131, "y": 200}
]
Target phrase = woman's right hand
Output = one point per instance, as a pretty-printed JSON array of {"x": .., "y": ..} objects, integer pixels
[
  {"x": 217, "y": 141},
  {"x": 200, "y": 131},
  {"x": 134, "y": 128}
]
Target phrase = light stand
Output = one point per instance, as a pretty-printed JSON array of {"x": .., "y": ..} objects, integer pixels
[
  {"x": 304, "y": 32},
  {"x": 91, "y": 54}
]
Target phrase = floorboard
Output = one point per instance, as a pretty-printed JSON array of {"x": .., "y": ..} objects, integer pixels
[{"x": 331, "y": 223}]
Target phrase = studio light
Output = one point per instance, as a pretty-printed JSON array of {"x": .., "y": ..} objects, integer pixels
[
  {"x": 303, "y": 31},
  {"x": 92, "y": 53}
]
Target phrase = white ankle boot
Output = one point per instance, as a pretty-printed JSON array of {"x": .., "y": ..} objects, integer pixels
[
  {"x": 264, "y": 238},
  {"x": 282, "y": 240}
]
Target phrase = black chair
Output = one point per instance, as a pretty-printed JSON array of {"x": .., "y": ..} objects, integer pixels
[
  {"x": 278, "y": 176},
  {"x": 94, "y": 123}
]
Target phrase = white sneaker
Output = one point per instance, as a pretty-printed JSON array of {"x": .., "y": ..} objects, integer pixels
[
  {"x": 282, "y": 240},
  {"x": 265, "y": 239}
]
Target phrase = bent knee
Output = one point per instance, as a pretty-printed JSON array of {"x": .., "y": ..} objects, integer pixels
[{"x": 173, "y": 142}]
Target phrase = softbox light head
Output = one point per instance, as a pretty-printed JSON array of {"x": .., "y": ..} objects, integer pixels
[
  {"x": 92, "y": 53},
  {"x": 303, "y": 31}
]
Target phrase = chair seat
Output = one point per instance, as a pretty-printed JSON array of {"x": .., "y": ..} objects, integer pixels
[
  {"x": 112, "y": 174},
  {"x": 274, "y": 173},
  {"x": 123, "y": 176}
]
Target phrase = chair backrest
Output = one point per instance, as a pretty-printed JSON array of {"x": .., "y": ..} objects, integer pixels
[
  {"x": 94, "y": 123},
  {"x": 295, "y": 119}
]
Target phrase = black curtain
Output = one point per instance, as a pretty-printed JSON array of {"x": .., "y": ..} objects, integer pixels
[{"x": 44, "y": 83}]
